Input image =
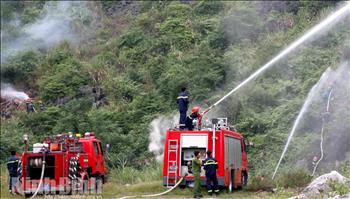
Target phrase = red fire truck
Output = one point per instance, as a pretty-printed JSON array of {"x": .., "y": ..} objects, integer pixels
[
  {"x": 228, "y": 147},
  {"x": 63, "y": 164}
]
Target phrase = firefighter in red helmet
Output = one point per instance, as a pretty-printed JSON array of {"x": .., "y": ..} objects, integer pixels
[{"x": 194, "y": 115}]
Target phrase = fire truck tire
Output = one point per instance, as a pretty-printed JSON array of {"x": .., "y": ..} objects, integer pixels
[
  {"x": 98, "y": 184},
  {"x": 85, "y": 186},
  {"x": 231, "y": 186},
  {"x": 244, "y": 179}
]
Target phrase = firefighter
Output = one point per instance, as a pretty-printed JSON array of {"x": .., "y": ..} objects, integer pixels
[
  {"x": 196, "y": 170},
  {"x": 30, "y": 106},
  {"x": 12, "y": 165},
  {"x": 194, "y": 115},
  {"x": 41, "y": 106},
  {"x": 210, "y": 167},
  {"x": 314, "y": 160},
  {"x": 182, "y": 101}
]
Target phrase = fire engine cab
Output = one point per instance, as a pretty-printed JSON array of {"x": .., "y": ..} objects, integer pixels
[
  {"x": 63, "y": 164},
  {"x": 228, "y": 147}
]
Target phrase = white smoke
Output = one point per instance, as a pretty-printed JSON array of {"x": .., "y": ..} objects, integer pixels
[
  {"x": 8, "y": 91},
  {"x": 54, "y": 25},
  {"x": 158, "y": 128}
]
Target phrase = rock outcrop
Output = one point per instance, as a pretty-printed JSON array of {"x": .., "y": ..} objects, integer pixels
[{"x": 321, "y": 185}]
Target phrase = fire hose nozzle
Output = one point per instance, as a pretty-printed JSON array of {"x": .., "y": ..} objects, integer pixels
[{"x": 207, "y": 110}]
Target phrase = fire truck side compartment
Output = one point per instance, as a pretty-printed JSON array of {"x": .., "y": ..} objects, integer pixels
[
  {"x": 190, "y": 144},
  {"x": 233, "y": 152}
]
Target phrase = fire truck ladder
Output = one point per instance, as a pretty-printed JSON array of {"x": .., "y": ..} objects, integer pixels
[{"x": 172, "y": 162}]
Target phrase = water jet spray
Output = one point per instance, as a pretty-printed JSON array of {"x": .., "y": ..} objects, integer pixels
[{"x": 326, "y": 23}]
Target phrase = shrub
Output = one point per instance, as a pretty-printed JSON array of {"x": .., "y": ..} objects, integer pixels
[
  {"x": 208, "y": 7},
  {"x": 340, "y": 188},
  {"x": 22, "y": 67},
  {"x": 258, "y": 183},
  {"x": 294, "y": 178}
]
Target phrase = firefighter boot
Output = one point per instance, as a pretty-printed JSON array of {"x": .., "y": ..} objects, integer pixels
[
  {"x": 210, "y": 192},
  {"x": 216, "y": 191}
]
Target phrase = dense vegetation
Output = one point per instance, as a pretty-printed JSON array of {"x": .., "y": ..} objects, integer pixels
[{"x": 129, "y": 68}]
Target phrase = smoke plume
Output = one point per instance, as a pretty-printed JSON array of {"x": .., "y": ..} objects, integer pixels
[
  {"x": 58, "y": 21},
  {"x": 158, "y": 128},
  {"x": 9, "y": 92}
]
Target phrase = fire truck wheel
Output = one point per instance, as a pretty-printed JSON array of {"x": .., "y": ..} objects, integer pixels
[
  {"x": 85, "y": 186},
  {"x": 244, "y": 179},
  {"x": 99, "y": 183},
  {"x": 231, "y": 186}
]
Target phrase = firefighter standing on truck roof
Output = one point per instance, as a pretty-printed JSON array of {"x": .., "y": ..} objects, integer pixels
[
  {"x": 210, "y": 167},
  {"x": 183, "y": 100},
  {"x": 194, "y": 115},
  {"x": 196, "y": 170},
  {"x": 12, "y": 165}
]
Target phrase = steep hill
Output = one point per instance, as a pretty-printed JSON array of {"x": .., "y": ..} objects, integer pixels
[{"x": 113, "y": 67}]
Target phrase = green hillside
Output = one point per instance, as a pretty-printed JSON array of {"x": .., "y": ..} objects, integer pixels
[{"x": 113, "y": 67}]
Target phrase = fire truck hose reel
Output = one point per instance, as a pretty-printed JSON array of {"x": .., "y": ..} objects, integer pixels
[
  {"x": 41, "y": 177},
  {"x": 158, "y": 194}
]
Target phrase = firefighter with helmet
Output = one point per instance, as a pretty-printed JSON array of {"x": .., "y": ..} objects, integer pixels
[
  {"x": 194, "y": 115},
  {"x": 182, "y": 101}
]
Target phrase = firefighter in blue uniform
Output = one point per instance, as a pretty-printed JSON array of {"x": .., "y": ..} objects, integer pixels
[
  {"x": 189, "y": 119},
  {"x": 210, "y": 167},
  {"x": 12, "y": 165},
  {"x": 183, "y": 100}
]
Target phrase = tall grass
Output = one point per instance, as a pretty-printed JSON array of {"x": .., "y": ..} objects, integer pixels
[
  {"x": 130, "y": 175},
  {"x": 289, "y": 179}
]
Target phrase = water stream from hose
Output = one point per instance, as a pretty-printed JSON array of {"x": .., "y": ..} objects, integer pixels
[
  {"x": 322, "y": 132},
  {"x": 319, "y": 28},
  {"x": 315, "y": 89}
]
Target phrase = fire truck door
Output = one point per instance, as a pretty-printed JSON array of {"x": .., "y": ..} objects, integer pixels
[
  {"x": 97, "y": 157},
  {"x": 100, "y": 158}
]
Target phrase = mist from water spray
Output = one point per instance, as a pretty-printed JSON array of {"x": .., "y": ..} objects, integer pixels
[
  {"x": 8, "y": 91},
  {"x": 315, "y": 89},
  {"x": 327, "y": 23},
  {"x": 328, "y": 112}
]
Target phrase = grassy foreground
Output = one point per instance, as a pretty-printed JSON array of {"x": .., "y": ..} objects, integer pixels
[
  {"x": 111, "y": 190},
  {"x": 132, "y": 182}
]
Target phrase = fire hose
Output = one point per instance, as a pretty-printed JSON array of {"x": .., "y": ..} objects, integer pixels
[
  {"x": 41, "y": 177},
  {"x": 322, "y": 129},
  {"x": 158, "y": 194}
]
